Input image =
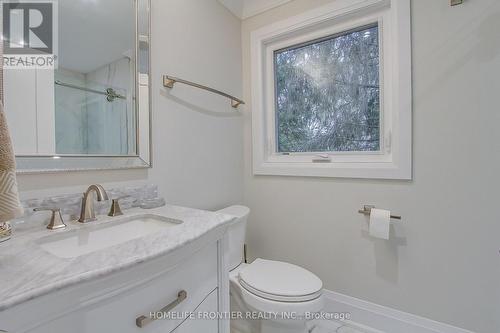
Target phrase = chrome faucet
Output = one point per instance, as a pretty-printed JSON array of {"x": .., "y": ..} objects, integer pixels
[{"x": 88, "y": 211}]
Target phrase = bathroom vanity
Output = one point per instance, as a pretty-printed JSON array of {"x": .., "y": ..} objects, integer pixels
[{"x": 113, "y": 274}]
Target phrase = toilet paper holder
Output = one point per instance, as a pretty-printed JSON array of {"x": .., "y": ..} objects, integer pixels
[{"x": 367, "y": 209}]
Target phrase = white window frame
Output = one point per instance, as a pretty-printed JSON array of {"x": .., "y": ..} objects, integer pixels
[{"x": 394, "y": 160}]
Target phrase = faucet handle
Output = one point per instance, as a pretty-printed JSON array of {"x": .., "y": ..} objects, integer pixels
[
  {"x": 115, "y": 206},
  {"x": 56, "y": 220}
]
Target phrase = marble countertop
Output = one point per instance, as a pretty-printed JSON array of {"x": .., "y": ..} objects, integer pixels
[{"x": 27, "y": 271}]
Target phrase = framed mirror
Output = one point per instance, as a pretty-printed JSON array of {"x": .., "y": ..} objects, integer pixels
[{"x": 93, "y": 111}]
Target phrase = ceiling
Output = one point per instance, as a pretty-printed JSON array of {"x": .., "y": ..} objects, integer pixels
[{"x": 248, "y": 8}]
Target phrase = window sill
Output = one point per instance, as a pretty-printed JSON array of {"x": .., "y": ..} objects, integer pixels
[{"x": 335, "y": 170}]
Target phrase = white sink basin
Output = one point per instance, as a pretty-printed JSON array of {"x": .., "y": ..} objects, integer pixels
[{"x": 86, "y": 240}]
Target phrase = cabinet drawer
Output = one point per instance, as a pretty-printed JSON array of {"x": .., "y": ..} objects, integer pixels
[{"x": 197, "y": 276}]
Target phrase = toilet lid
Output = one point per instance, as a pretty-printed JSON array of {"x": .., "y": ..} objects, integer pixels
[{"x": 280, "y": 281}]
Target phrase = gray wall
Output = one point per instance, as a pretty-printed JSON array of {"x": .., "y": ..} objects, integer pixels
[
  {"x": 198, "y": 158},
  {"x": 443, "y": 261}
]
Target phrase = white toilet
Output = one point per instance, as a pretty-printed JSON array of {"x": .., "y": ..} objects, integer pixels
[{"x": 272, "y": 296}]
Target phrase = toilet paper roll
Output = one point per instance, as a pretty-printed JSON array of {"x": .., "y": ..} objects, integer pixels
[{"x": 380, "y": 221}]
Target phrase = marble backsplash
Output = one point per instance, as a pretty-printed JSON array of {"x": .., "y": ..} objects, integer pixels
[{"x": 70, "y": 204}]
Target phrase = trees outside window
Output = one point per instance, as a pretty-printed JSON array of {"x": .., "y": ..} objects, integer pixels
[{"x": 328, "y": 94}]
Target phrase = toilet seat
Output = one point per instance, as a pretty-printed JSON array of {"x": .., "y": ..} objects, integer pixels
[
  {"x": 280, "y": 281},
  {"x": 283, "y": 316}
]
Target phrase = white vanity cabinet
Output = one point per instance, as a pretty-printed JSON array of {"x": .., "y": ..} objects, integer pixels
[{"x": 114, "y": 303}]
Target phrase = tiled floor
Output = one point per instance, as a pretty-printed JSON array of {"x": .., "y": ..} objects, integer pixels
[
  {"x": 336, "y": 327},
  {"x": 347, "y": 329}
]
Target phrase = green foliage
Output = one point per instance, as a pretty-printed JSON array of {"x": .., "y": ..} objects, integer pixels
[{"x": 328, "y": 95}]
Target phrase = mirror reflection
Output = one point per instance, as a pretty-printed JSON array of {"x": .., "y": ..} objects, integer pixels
[
  {"x": 93, "y": 103},
  {"x": 94, "y": 83}
]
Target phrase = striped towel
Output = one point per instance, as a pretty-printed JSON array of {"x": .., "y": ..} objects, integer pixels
[{"x": 10, "y": 207}]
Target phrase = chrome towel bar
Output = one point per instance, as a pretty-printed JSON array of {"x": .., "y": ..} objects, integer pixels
[
  {"x": 169, "y": 81},
  {"x": 367, "y": 209}
]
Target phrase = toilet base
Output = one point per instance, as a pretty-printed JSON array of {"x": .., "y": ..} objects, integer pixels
[
  {"x": 289, "y": 326},
  {"x": 270, "y": 326},
  {"x": 261, "y": 325}
]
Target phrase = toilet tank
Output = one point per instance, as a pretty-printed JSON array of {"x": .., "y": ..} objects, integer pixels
[{"x": 236, "y": 234}]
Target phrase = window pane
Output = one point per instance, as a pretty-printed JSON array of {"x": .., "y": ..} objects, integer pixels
[{"x": 328, "y": 95}]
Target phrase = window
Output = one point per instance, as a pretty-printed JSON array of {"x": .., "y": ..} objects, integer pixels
[
  {"x": 331, "y": 92},
  {"x": 328, "y": 94}
]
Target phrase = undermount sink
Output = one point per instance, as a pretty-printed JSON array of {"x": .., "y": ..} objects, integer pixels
[{"x": 75, "y": 243}]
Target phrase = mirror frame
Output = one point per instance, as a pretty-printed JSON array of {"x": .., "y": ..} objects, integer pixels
[{"x": 35, "y": 164}]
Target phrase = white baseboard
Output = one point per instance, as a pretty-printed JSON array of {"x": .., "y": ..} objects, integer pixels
[{"x": 383, "y": 319}]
